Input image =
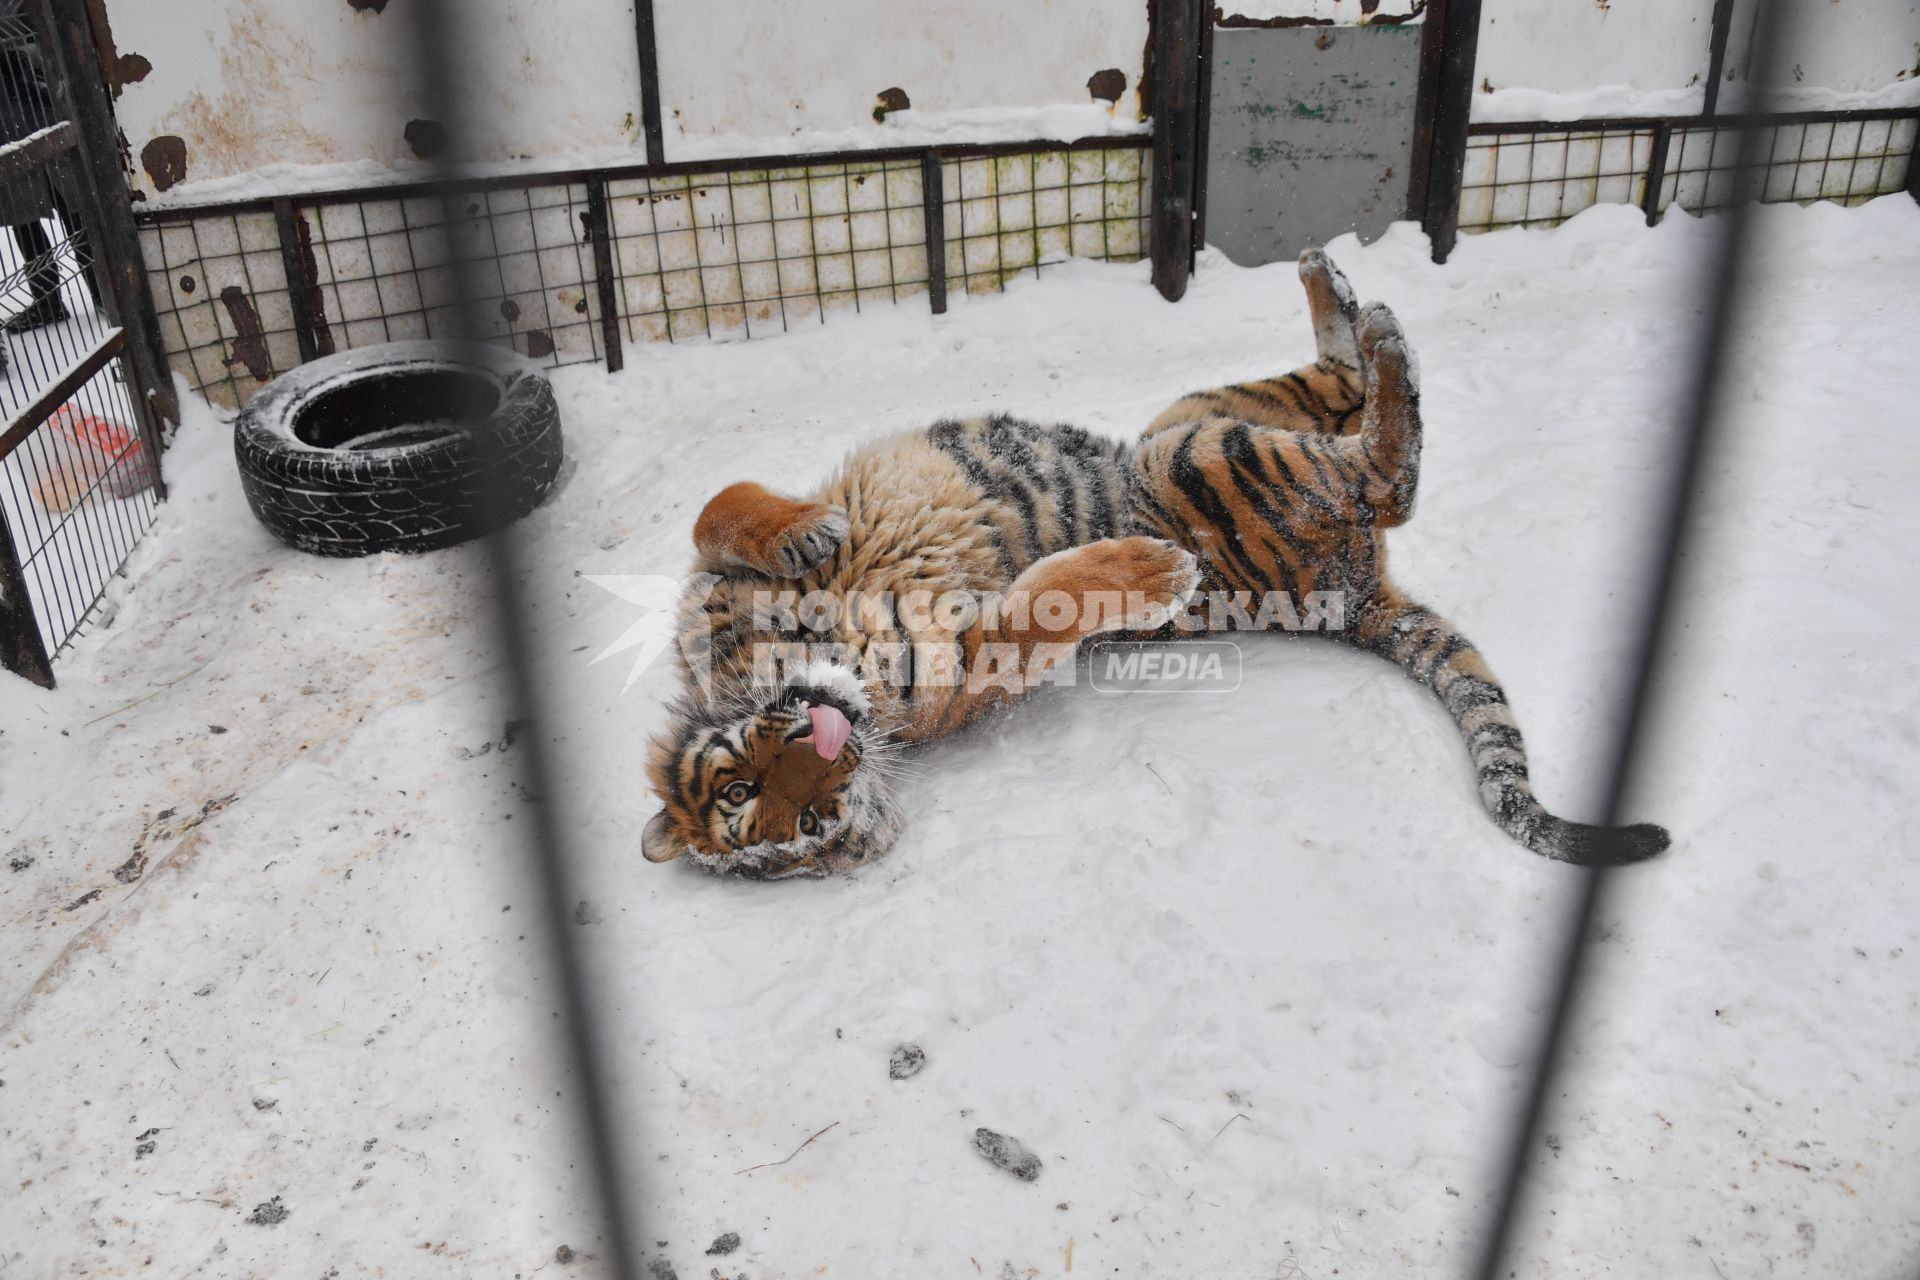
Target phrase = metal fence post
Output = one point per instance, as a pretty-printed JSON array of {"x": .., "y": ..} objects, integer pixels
[
  {"x": 300, "y": 289},
  {"x": 1176, "y": 93},
  {"x": 933, "y": 209},
  {"x": 21, "y": 648},
  {"x": 1452, "y": 104},
  {"x": 1717, "y": 53},
  {"x": 1203, "y": 118},
  {"x": 1656, "y": 172},
  {"x": 599, "y": 231},
  {"x": 649, "y": 54}
]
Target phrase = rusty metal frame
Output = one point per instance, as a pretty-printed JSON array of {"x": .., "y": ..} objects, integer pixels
[
  {"x": 34, "y": 150},
  {"x": 300, "y": 286}
]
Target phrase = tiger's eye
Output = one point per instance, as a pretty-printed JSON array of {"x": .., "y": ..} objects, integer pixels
[
  {"x": 809, "y": 824},
  {"x": 738, "y": 792}
]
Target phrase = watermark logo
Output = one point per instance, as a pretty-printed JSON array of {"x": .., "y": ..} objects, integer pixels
[
  {"x": 956, "y": 639},
  {"x": 652, "y": 633},
  {"x": 1175, "y": 666}
]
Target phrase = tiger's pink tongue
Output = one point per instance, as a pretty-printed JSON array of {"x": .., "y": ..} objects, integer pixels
[{"x": 830, "y": 730}]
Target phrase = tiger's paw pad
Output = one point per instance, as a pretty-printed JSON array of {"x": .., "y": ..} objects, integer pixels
[
  {"x": 1331, "y": 303},
  {"x": 1383, "y": 346},
  {"x": 807, "y": 542}
]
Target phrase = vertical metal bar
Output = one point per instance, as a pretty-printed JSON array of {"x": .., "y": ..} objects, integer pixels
[
  {"x": 1176, "y": 91},
  {"x": 599, "y": 229},
  {"x": 614, "y": 1187},
  {"x": 1459, "y": 38},
  {"x": 1656, "y": 172},
  {"x": 1425, "y": 97},
  {"x": 66, "y": 39},
  {"x": 933, "y": 211},
  {"x": 299, "y": 288},
  {"x": 649, "y": 81},
  {"x": 1729, "y": 283},
  {"x": 1203, "y": 120},
  {"x": 1721, "y": 30},
  {"x": 1913, "y": 168},
  {"x": 21, "y": 648}
]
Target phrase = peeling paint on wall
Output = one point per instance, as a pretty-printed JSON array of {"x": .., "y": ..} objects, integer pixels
[
  {"x": 890, "y": 100},
  {"x": 249, "y": 343},
  {"x": 165, "y": 160},
  {"x": 323, "y": 343},
  {"x": 1108, "y": 85}
]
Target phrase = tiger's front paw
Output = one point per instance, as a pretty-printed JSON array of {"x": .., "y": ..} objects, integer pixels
[{"x": 806, "y": 542}]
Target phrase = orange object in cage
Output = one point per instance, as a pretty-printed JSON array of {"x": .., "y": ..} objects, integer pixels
[{"x": 88, "y": 452}]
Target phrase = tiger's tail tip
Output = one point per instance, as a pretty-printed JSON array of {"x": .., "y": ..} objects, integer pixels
[{"x": 1591, "y": 846}]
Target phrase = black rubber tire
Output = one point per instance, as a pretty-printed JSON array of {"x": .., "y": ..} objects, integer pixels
[{"x": 441, "y": 487}]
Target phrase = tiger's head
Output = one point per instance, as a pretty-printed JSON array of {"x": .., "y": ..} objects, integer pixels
[{"x": 776, "y": 781}]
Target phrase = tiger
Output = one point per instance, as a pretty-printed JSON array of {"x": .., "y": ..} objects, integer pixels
[{"x": 1029, "y": 539}]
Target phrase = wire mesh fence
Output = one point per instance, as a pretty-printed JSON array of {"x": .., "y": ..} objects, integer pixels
[
  {"x": 77, "y": 484},
  {"x": 741, "y": 251},
  {"x": 77, "y": 493},
  {"x": 1540, "y": 174}
]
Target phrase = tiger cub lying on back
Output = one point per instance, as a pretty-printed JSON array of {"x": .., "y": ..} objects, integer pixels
[{"x": 1286, "y": 485}]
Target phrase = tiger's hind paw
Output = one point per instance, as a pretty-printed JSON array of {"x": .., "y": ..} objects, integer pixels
[
  {"x": 807, "y": 542},
  {"x": 1334, "y": 309},
  {"x": 1384, "y": 351}
]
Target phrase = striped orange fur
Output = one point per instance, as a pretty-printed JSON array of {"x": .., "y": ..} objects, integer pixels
[{"x": 1285, "y": 484}]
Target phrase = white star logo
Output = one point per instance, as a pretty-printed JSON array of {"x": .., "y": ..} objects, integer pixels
[{"x": 658, "y": 596}]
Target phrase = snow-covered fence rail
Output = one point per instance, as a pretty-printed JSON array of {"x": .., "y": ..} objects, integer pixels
[{"x": 577, "y": 265}]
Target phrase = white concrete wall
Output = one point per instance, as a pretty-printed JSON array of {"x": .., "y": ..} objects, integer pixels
[
  {"x": 1847, "y": 46},
  {"x": 312, "y": 93},
  {"x": 1566, "y": 46},
  {"x": 249, "y": 85},
  {"x": 1574, "y": 58},
  {"x": 286, "y": 95},
  {"x": 735, "y": 74}
]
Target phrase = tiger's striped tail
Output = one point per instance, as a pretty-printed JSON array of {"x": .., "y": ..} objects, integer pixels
[{"x": 1432, "y": 651}]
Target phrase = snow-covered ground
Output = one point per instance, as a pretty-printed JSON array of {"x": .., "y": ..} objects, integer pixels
[{"x": 1253, "y": 976}]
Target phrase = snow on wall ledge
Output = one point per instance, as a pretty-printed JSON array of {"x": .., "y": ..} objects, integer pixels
[{"x": 1566, "y": 61}]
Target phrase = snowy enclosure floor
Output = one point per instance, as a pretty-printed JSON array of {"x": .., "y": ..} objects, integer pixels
[{"x": 1254, "y": 976}]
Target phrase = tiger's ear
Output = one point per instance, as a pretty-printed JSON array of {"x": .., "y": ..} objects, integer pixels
[{"x": 657, "y": 842}]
